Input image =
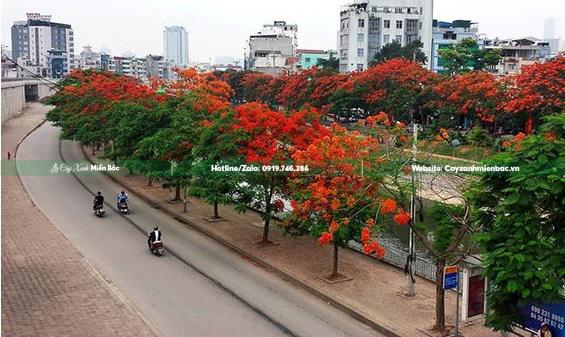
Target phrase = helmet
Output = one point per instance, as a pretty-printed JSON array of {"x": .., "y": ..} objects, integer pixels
[
  {"x": 99, "y": 193},
  {"x": 123, "y": 192}
]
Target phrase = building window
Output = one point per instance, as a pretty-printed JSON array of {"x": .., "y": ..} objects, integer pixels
[
  {"x": 374, "y": 24},
  {"x": 386, "y": 10},
  {"x": 387, "y": 23},
  {"x": 307, "y": 60},
  {"x": 360, "y": 52},
  {"x": 398, "y": 10},
  {"x": 359, "y": 66},
  {"x": 399, "y": 24},
  {"x": 386, "y": 39},
  {"x": 360, "y": 38},
  {"x": 420, "y": 25},
  {"x": 361, "y": 23},
  {"x": 398, "y": 39},
  {"x": 373, "y": 8}
]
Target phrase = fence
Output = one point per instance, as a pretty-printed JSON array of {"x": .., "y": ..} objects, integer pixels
[{"x": 396, "y": 255}]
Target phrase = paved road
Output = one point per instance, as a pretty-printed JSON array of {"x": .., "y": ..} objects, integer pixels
[{"x": 200, "y": 288}]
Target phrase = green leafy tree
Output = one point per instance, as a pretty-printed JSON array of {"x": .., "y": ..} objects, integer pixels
[
  {"x": 522, "y": 215},
  {"x": 330, "y": 63},
  {"x": 214, "y": 149},
  {"x": 466, "y": 56},
  {"x": 412, "y": 51}
]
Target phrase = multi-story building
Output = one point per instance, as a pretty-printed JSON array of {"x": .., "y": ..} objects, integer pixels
[
  {"x": 38, "y": 40},
  {"x": 518, "y": 53},
  {"x": 156, "y": 66},
  {"x": 89, "y": 59},
  {"x": 445, "y": 34},
  {"x": 121, "y": 65},
  {"x": 57, "y": 65},
  {"x": 273, "y": 49},
  {"x": 308, "y": 58},
  {"x": 175, "y": 45},
  {"x": 367, "y": 25}
]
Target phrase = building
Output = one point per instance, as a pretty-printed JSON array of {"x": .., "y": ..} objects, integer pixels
[
  {"x": 518, "y": 53},
  {"x": 38, "y": 41},
  {"x": 57, "y": 63},
  {"x": 445, "y": 34},
  {"x": 121, "y": 65},
  {"x": 175, "y": 45},
  {"x": 308, "y": 58},
  {"x": 367, "y": 25},
  {"x": 273, "y": 49},
  {"x": 156, "y": 66},
  {"x": 89, "y": 59}
]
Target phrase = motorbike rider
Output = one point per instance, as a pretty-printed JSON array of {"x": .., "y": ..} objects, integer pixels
[
  {"x": 154, "y": 235},
  {"x": 98, "y": 200},
  {"x": 122, "y": 198}
]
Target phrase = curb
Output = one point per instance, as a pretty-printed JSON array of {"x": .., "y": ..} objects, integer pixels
[{"x": 379, "y": 327}]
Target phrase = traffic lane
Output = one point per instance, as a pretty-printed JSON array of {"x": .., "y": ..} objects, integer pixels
[
  {"x": 176, "y": 299},
  {"x": 294, "y": 308}
]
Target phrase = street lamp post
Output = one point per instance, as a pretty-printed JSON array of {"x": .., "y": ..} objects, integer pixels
[{"x": 412, "y": 235}]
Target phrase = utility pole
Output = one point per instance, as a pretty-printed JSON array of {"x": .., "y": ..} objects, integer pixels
[{"x": 412, "y": 239}]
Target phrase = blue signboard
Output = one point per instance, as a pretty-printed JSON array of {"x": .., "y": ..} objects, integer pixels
[
  {"x": 553, "y": 314},
  {"x": 450, "y": 277}
]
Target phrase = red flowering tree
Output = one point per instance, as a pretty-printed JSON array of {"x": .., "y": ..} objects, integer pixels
[
  {"x": 266, "y": 139},
  {"x": 443, "y": 235},
  {"x": 396, "y": 86},
  {"x": 333, "y": 200},
  {"x": 82, "y": 103},
  {"x": 471, "y": 95},
  {"x": 536, "y": 91}
]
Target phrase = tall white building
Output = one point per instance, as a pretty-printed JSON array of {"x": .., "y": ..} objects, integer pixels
[
  {"x": 273, "y": 49},
  {"x": 367, "y": 25},
  {"x": 47, "y": 45},
  {"x": 175, "y": 45}
]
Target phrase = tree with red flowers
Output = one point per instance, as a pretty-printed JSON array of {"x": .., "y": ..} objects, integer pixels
[
  {"x": 443, "y": 235},
  {"x": 471, "y": 95},
  {"x": 537, "y": 91},
  {"x": 266, "y": 139},
  {"x": 333, "y": 200},
  {"x": 396, "y": 86}
]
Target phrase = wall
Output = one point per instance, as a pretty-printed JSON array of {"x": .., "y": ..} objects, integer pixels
[{"x": 13, "y": 96}]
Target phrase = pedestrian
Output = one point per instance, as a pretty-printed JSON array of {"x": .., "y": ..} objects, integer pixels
[
  {"x": 544, "y": 330},
  {"x": 9, "y": 155}
]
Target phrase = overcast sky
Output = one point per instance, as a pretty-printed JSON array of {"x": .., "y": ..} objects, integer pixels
[{"x": 220, "y": 27}]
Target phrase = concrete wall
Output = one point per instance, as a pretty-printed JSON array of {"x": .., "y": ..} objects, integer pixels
[{"x": 13, "y": 96}]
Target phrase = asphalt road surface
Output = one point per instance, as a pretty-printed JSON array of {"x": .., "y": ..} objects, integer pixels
[{"x": 198, "y": 288}]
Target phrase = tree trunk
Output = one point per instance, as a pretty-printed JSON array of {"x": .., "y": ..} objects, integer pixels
[
  {"x": 97, "y": 146},
  {"x": 216, "y": 215},
  {"x": 150, "y": 182},
  {"x": 440, "y": 297},
  {"x": 528, "y": 127},
  {"x": 93, "y": 149},
  {"x": 334, "y": 269},
  {"x": 177, "y": 192},
  {"x": 266, "y": 224}
]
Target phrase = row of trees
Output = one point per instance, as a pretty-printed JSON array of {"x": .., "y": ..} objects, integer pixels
[
  {"x": 407, "y": 91},
  {"x": 177, "y": 131}
]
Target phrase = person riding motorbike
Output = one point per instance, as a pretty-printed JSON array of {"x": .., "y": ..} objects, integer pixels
[
  {"x": 121, "y": 198},
  {"x": 154, "y": 235},
  {"x": 98, "y": 200}
]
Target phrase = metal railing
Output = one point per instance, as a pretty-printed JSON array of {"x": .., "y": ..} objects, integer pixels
[{"x": 396, "y": 255}]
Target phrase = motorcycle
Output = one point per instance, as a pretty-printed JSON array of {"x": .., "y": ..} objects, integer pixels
[
  {"x": 99, "y": 210},
  {"x": 123, "y": 207},
  {"x": 156, "y": 247}
]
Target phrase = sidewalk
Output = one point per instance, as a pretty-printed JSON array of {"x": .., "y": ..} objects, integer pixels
[
  {"x": 375, "y": 295},
  {"x": 48, "y": 288}
]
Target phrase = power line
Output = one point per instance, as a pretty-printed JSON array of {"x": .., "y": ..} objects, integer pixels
[{"x": 54, "y": 85}]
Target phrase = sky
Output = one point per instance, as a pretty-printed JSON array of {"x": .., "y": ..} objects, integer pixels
[{"x": 221, "y": 27}]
